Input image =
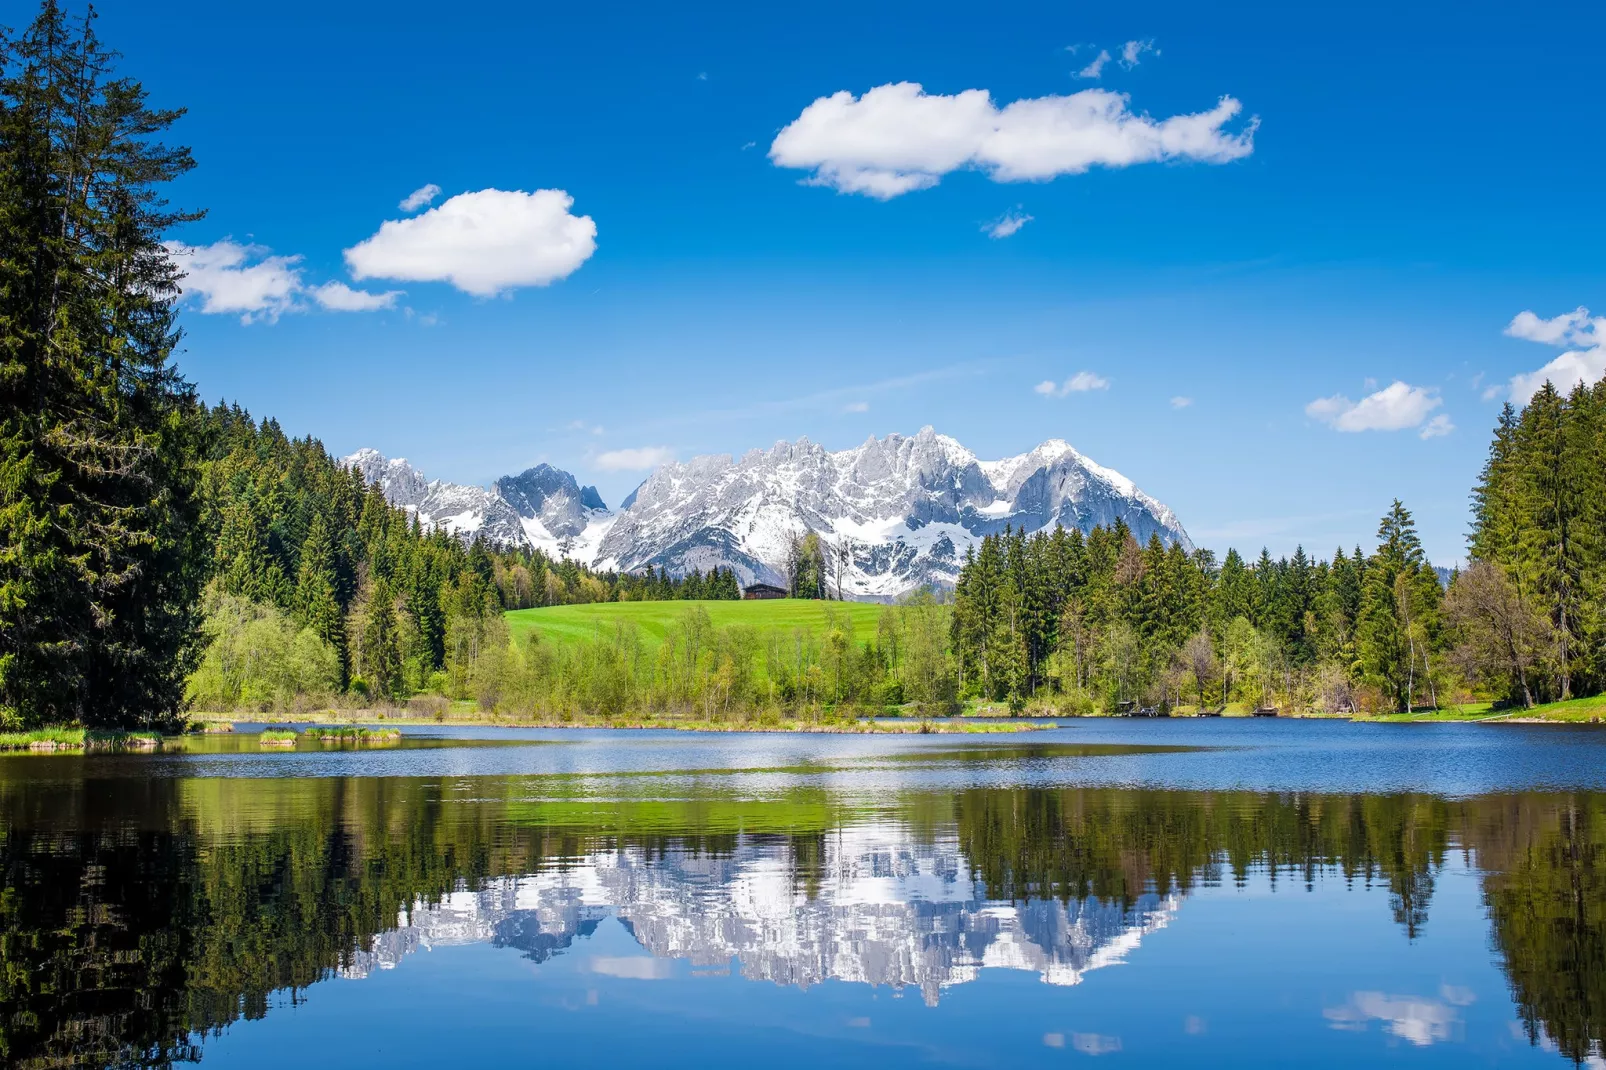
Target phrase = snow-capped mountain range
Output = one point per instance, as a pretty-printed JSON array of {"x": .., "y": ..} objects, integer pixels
[{"x": 900, "y": 509}]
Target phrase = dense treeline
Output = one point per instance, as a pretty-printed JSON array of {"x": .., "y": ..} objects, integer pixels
[
  {"x": 157, "y": 911},
  {"x": 1531, "y": 608},
  {"x": 1100, "y": 621},
  {"x": 322, "y": 589}
]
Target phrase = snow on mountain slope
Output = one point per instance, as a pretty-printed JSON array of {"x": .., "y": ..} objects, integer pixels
[
  {"x": 543, "y": 507},
  {"x": 903, "y": 508}
]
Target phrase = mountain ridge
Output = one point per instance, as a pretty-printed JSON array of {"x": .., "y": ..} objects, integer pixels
[{"x": 900, "y": 510}]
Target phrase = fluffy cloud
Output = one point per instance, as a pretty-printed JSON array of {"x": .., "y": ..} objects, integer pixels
[
  {"x": 1080, "y": 383},
  {"x": 1585, "y": 364},
  {"x": 1006, "y": 224},
  {"x": 231, "y": 278},
  {"x": 421, "y": 196},
  {"x": 1095, "y": 68},
  {"x": 634, "y": 460},
  {"x": 338, "y": 297},
  {"x": 1394, "y": 408},
  {"x": 898, "y": 138},
  {"x": 483, "y": 243},
  {"x": 1570, "y": 328}
]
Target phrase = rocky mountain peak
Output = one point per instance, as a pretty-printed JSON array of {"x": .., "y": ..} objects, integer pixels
[{"x": 901, "y": 508}]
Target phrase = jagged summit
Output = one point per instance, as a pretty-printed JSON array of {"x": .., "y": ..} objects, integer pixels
[
  {"x": 543, "y": 507},
  {"x": 903, "y": 507}
]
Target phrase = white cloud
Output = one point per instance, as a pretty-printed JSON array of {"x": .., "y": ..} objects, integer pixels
[
  {"x": 1095, "y": 68},
  {"x": 856, "y": 406},
  {"x": 338, "y": 297},
  {"x": 421, "y": 196},
  {"x": 1575, "y": 328},
  {"x": 1418, "y": 1020},
  {"x": 634, "y": 460},
  {"x": 233, "y": 278},
  {"x": 1006, "y": 224},
  {"x": 1586, "y": 364},
  {"x": 1437, "y": 427},
  {"x": 898, "y": 138},
  {"x": 1394, "y": 408},
  {"x": 1180, "y": 402},
  {"x": 1134, "y": 49},
  {"x": 483, "y": 243},
  {"x": 1080, "y": 383}
]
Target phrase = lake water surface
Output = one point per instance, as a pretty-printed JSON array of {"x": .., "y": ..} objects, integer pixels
[{"x": 1204, "y": 893}]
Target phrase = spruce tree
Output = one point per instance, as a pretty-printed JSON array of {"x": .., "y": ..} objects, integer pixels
[
  {"x": 1399, "y": 605},
  {"x": 316, "y": 603},
  {"x": 101, "y": 556}
]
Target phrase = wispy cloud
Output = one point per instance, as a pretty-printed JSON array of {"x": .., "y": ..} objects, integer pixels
[
  {"x": 1080, "y": 383},
  {"x": 1437, "y": 427},
  {"x": 1096, "y": 67},
  {"x": 1006, "y": 224},
  {"x": 421, "y": 196},
  {"x": 1180, "y": 402},
  {"x": 1134, "y": 49},
  {"x": 856, "y": 406},
  {"x": 636, "y": 459},
  {"x": 822, "y": 400}
]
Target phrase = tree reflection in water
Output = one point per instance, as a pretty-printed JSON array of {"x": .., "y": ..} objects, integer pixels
[{"x": 137, "y": 916}]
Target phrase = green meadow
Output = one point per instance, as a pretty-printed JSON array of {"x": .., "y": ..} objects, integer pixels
[{"x": 577, "y": 623}]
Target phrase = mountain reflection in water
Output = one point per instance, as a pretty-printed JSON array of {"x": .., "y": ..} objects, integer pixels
[{"x": 138, "y": 916}]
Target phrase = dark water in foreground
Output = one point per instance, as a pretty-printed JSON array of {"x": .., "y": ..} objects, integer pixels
[{"x": 1207, "y": 894}]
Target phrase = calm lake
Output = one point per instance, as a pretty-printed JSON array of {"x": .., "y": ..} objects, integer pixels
[{"x": 1222, "y": 893}]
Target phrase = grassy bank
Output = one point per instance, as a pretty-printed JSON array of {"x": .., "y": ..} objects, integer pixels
[
  {"x": 77, "y": 739},
  {"x": 1574, "y": 711},
  {"x": 466, "y": 714}
]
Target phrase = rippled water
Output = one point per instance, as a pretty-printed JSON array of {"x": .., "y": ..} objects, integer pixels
[{"x": 1214, "y": 893}]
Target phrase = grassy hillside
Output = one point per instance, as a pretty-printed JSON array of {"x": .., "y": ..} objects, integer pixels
[{"x": 567, "y": 624}]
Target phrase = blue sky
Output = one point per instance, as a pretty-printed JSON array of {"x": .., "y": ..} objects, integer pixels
[{"x": 737, "y": 263}]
